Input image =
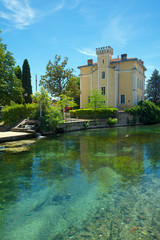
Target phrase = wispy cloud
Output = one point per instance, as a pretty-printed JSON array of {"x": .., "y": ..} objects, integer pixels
[
  {"x": 150, "y": 67},
  {"x": 116, "y": 31},
  {"x": 74, "y": 4},
  {"x": 53, "y": 8},
  {"x": 18, "y": 13},
  {"x": 88, "y": 52}
]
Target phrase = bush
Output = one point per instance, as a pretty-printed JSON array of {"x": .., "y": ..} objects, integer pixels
[
  {"x": 12, "y": 114},
  {"x": 51, "y": 120},
  {"x": 112, "y": 121},
  {"x": 147, "y": 112},
  {"x": 101, "y": 113}
]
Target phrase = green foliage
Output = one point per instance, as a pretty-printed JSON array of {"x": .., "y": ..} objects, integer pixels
[
  {"x": 26, "y": 81},
  {"x": 10, "y": 85},
  {"x": 101, "y": 113},
  {"x": 56, "y": 77},
  {"x": 112, "y": 121},
  {"x": 16, "y": 112},
  {"x": 96, "y": 100},
  {"x": 18, "y": 72},
  {"x": 50, "y": 117},
  {"x": 51, "y": 120},
  {"x": 65, "y": 101},
  {"x": 42, "y": 98},
  {"x": 73, "y": 90},
  {"x": 153, "y": 87},
  {"x": 86, "y": 124},
  {"x": 147, "y": 112}
]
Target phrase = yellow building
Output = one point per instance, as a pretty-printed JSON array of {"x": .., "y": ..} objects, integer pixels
[{"x": 121, "y": 80}]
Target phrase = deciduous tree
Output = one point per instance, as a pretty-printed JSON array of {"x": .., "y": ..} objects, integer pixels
[
  {"x": 65, "y": 101},
  {"x": 73, "y": 89},
  {"x": 96, "y": 100},
  {"x": 56, "y": 77},
  {"x": 18, "y": 72},
  {"x": 10, "y": 86}
]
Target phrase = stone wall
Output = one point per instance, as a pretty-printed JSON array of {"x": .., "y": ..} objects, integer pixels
[
  {"x": 124, "y": 119},
  {"x": 127, "y": 119}
]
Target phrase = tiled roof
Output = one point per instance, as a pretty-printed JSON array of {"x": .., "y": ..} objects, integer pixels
[
  {"x": 94, "y": 64},
  {"x": 119, "y": 59}
]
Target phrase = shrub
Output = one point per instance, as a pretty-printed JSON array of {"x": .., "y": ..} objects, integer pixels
[
  {"x": 112, "y": 121},
  {"x": 51, "y": 120},
  {"x": 86, "y": 124},
  {"x": 14, "y": 113},
  {"x": 147, "y": 112},
  {"x": 101, "y": 113}
]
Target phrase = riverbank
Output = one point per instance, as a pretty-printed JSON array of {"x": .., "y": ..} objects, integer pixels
[
  {"x": 23, "y": 129},
  {"x": 14, "y": 136}
]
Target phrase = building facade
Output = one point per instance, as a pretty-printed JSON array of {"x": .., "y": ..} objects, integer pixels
[{"x": 121, "y": 80}]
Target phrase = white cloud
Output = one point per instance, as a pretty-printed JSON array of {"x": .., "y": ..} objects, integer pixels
[
  {"x": 88, "y": 52},
  {"x": 18, "y": 13},
  {"x": 74, "y": 4},
  {"x": 51, "y": 8},
  {"x": 117, "y": 31},
  {"x": 150, "y": 67}
]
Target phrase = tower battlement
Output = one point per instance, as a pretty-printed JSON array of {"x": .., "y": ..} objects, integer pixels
[{"x": 103, "y": 50}]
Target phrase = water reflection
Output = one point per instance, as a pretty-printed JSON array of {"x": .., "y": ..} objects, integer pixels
[{"x": 60, "y": 186}]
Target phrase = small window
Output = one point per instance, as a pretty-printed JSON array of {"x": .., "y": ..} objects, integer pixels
[
  {"x": 102, "y": 61},
  {"x": 103, "y": 75},
  {"x": 122, "y": 100},
  {"x": 103, "y": 90}
]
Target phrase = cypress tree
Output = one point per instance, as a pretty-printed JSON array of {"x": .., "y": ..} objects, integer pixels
[{"x": 26, "y": 81}]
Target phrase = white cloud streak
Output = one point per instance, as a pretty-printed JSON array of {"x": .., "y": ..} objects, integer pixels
[
  {"x": 88, "y": 52},
  {"x": 117, "y": 32},
  {"x": 18, "y": 13}
]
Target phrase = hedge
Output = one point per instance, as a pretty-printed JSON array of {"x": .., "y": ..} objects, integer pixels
[
  {"x": 13, "y": 114},
  {"x": 101, "y": 113}
]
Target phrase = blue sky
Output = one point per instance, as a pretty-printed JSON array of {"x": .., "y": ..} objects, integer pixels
[{"x": 37, "y": 30}]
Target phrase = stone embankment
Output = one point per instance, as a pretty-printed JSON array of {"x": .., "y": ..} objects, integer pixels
[
  {"x": 28, "y": 128},
  {"x": 123, "y": 119}
]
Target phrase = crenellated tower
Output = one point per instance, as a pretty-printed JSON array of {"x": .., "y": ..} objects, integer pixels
[{"x": 104, "y": 56}]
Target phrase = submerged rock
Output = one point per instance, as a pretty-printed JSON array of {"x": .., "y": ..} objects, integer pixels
[{"x": 17, "y": 146}]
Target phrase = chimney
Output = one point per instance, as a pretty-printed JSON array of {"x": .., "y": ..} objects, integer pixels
[
  {"x": 124, "y": 56},
  {"x": 90, "y": 62}
]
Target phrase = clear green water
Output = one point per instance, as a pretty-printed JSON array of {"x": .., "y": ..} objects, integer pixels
[{"x": 94, "y": 184}]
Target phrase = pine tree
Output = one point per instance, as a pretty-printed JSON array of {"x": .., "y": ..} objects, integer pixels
[
  {"x": 153, "y": 88},
  {"x": 26, "y": 81}
]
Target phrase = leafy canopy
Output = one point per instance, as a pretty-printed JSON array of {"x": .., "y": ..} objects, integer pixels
[
  {"x": 96, "y": 100},
  {"x": 51, "y": 117},
  {"x": 65, "y": 101},
  {"x": 10, "y": 86},
  {"x": 73, "y": 89},
  {"x": 147, "y": 112},
  {"x": 56, "y": 77}
]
